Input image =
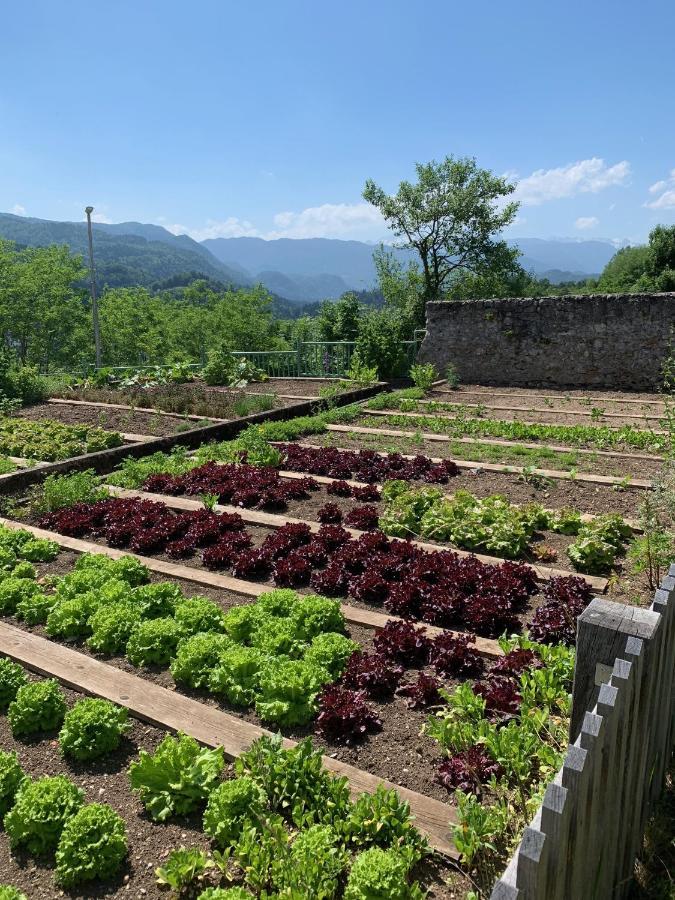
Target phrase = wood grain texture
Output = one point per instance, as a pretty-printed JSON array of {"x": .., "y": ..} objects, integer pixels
[{"x": 174, "y": 712}]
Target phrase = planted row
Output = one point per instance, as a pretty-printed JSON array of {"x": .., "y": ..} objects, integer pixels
[
  {"x": 438, "y": 587},
  {"x": 494, "y": 525},
  {"x": 48, "y": 441}
]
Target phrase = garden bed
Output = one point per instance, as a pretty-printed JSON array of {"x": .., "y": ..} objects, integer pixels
[
  {"x": 108, "y": 418},
  {"x": 363, "y": 577}
]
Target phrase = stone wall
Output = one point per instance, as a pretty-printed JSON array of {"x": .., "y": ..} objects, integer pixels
[{"x": 600, "y": 340}]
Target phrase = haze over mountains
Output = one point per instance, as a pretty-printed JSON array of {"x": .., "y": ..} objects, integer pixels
[{"x": 295, "y": 270}]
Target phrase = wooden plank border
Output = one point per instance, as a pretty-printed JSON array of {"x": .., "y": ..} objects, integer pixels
[
  {"x": 270, "y": 520},
  {"x": 141, "y": 409},
  {"x": 366, "y": 618},
  {"x": 547, "y": 410},
  {"x": 173, "y": 711},
  {"x": 448, "y": 418},
  {"x": 641, "y": 483},
  {"x": 105, "y": 460},
  {"x": 489, "y": 393}
]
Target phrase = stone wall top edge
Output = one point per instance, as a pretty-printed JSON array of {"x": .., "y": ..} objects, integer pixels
[{"x": 670, "y": 295}]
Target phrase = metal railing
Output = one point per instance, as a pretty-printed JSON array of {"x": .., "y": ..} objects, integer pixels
[{"x": 310, "y": 359}]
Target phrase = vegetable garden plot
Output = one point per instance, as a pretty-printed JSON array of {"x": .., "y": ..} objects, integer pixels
[
  {"x": 499, "y": 707},
  {"x": 119, "y": 821},
  {"x": 343, "y": 712}
]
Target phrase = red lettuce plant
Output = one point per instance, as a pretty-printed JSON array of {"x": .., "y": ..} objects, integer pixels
[
  {"x": 468, "y": 770},
  {"x": 372, "y": 673},
  {"x": 402, "y": 642},
  {"x": 500, "y": 694},
  {"x": 329, "y": 514},
  {"x": 421, "y": 693},
  {"x": 344, "y": 716},
  {"x": 451, "y": 654}
]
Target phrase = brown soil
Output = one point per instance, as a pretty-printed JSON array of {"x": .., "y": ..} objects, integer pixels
[
  {"x": 102, "y": 781},
  {"x": 298, "y": 387},
  {"x": 111, "y": 419},
  {"x": 560, "y": 416},
  {"x": 562, "y": 402},
  {"x": 597, "y": 396},
  {"x": 585, "y": 497}
]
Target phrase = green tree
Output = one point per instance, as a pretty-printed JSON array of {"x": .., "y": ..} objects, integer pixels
[
  {"x": 41, "y": 311},
  {"x": 450, "y": 216},
  {"x": 402, "y": 288}
]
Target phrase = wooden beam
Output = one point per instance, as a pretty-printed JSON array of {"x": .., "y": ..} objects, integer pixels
[
  {"x": 366, "y": 618},
  {"x": 435, "y": 415},
  {"x": 561, "y": 398},
  {"x": 270, "y": 520},
  {"x": 556, "y": 448},
  {"x": 628, "y": 481},
  {"x": 141, "y": 409},
  {"x": 175, "y": 712}
]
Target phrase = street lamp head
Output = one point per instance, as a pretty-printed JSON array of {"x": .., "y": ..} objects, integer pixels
[{"x": 89, "y": 210}]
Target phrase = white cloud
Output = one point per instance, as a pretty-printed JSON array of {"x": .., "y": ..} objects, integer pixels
[
  {"x": 230, "y": 227},
  {"x": 331, "y": 220},
  {"x": 582, "y": 177},
  {"x": 101, "y": 218},
  {"x": 666, "y": 191},
  {"x": 585, "y": 222},
  {"x": 18, "y": 210}
]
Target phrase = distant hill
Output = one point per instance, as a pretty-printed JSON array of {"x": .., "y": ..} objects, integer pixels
[
  {"x": 126, "y": 254},
  {"x": 286, "y": 262},
  {"x": 296, "y": 272}
]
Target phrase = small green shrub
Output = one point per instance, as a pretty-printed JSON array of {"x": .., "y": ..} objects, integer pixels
[
  {"x": 424, "y": 375},
  {"x": 9, "y": 892},
  {"x": 197, "y": 656},
  {"x": 384, "y": 819},
  {"x": 314, "y": 865},
  {"x": 111, "y": 627},
  {"x": 295, "y": 781},
  {"x": 156, "y": 601},
  {"x": 182, "y": 869},
  {"x": 277, "y": 637},
  {"x": 59, "y": 491},
  {"x": 39, "y": 706},
  {"x": 12, "y": 677},
  {"x": 240, "y": 621},
  {"x": 177, "y": 777},
  {"x": 233, "y": 893},
  {"x": 237, "y": 674},
  {"x": 35, "y": 608},
  {"x": 381, "y": 875},
  {"x": 230, "y": 806},
  {"x": 153, "y": 642},
  {"x": 11, "y": 778},
  {"x": 219, "y": 368},
  {"x": 40, "y": 813},
  {"x": 70, "y": 619},
  {"x": 92, "y": 728},
  {"x": 198, "y": 614},
  {"x": 39, "y": 550},
  {"x": 288, "y": 690},
  {"x": 93, "y": 844}
]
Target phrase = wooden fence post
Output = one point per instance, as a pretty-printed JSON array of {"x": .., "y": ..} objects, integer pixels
[{"x": 602, "y": 630}]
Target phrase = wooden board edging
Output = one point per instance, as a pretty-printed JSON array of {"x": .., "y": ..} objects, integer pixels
[
  {"x": 366, "y": 618},
  {"x": 487, "y": 392},
  {"x": 104, "y": 461},
  {"x": 628, "y": 482},
  {"x": 174, "y": 712},
  {"x": 270, "y": 520},
  {"x": 141, "y": 409},
  {"x": 548, "y": 411}
]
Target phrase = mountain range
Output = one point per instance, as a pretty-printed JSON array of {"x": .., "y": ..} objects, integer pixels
[{"x": 294, "y": 270}]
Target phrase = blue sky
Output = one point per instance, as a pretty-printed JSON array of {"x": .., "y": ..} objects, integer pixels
[{"x": 265, "y": 118}]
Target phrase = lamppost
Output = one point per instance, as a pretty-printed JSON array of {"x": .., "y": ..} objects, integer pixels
[{"x": 92, "y": 284}]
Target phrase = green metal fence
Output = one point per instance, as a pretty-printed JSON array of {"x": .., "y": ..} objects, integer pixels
[{"x": 310, "y": 359}]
